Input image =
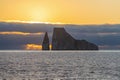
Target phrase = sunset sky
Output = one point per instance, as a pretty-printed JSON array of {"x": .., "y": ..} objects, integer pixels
[{"x": 61, "y": 11}]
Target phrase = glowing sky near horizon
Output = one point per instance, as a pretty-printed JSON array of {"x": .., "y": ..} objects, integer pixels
[{"x": 63, "y": 11}]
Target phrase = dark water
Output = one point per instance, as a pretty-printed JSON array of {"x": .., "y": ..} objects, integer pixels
[{"x": 69, "y": 65}]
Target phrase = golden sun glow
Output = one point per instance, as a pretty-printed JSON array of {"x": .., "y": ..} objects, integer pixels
[
  {"x": 50, "y": 46},
  {"x": 30, "y": 22},
  {"x": 33, "y": 47},
  {"x": 38, "y": 15},
  {"x": 64, "y": 11}
]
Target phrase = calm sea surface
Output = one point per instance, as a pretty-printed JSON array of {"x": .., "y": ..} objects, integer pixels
[{"x": 62, "y": 65}]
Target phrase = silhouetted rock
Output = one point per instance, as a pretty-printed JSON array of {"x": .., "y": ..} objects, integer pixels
[
  {"x": 45, "y": 44},
  {"x": 85, "y": 45},
  {"x": 61, "y": 40}
]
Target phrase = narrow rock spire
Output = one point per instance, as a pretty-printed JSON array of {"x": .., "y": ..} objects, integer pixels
[{"x": 45, "y": 44}]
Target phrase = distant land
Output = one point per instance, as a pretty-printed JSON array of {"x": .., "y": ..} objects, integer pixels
[{"x": 29, "y": 36}]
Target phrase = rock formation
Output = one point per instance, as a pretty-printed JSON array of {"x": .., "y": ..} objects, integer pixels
[
  {"x": 45, "y": 44},
  {"x": 61, "y": 40}
]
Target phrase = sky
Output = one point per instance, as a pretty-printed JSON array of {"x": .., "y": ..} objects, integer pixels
[
  {"x": 24, "y": 22},
  {"x": 61, "y": 11}
]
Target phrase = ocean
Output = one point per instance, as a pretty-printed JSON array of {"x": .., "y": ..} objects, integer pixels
[{"x": 59, "y": 65}]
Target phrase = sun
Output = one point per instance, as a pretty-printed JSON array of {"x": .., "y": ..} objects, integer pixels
[{"x": 38, "y": 14}]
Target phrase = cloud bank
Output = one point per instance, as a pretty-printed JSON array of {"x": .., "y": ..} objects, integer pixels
[{"x": 14, "y": 36}]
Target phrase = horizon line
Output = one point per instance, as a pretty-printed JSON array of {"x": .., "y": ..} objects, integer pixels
[{"x": 38, "y": 22}]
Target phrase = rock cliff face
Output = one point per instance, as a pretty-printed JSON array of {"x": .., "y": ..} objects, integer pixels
[
  {"x": 61, "y": 40},
  {"x": 45, "y": 44}
]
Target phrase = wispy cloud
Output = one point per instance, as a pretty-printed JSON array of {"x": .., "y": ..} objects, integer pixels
[
  {"x": 19, "y": 33},
  {"x": 97, "y": 33},
  {"x": 108, "y": 33}
]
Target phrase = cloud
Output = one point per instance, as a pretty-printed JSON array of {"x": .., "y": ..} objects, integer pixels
[
  {"x": 18, "y": 41},
  {"x": 19, "y": 33},
  {"x": 108, "y": 33},
  {"x": 25, "y": 27},
  {"x": 97, "y": 33}
]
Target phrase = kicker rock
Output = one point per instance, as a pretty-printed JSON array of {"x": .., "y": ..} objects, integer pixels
[{"x": 61, "y": 40}]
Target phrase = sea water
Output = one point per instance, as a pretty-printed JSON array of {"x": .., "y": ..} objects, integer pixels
[{"x": 59, "y": 65}]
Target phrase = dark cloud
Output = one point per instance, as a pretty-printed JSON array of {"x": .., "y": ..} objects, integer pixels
[
  {"x": 25, "y": 27},
  {"x": 18, "y": 41},
  {"x": 99, "y": 34},
  {"x": 106, "y": 36}
]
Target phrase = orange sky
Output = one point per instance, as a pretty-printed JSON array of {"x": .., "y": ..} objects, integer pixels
[{"x": 63, "y": 11}]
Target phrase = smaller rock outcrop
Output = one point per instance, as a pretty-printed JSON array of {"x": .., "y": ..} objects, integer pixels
[{"x": 45, "y": 44}]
